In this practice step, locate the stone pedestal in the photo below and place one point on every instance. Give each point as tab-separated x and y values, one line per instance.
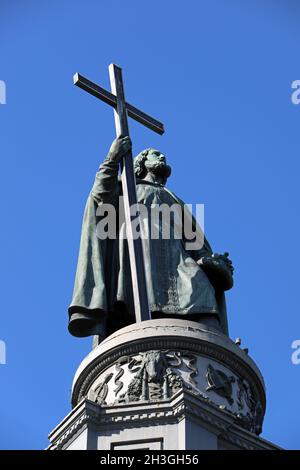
165	385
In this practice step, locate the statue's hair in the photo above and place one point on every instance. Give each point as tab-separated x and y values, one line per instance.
139	163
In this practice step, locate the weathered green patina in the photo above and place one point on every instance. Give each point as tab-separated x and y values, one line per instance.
180	282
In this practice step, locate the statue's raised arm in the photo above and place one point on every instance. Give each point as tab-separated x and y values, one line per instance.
105	188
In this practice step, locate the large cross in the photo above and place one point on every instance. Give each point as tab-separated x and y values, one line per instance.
116	99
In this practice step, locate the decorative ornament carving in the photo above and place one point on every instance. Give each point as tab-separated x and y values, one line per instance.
155	379
252	422
253	419
177	357
156	375
170	347
120	371
101	391
244	395
219	383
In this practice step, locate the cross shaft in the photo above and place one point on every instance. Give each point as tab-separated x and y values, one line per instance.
116	99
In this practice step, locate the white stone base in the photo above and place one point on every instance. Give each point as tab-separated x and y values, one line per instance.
183	423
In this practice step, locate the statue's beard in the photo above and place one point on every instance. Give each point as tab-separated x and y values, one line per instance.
159	169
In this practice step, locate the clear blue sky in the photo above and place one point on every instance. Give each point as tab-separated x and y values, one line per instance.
218	74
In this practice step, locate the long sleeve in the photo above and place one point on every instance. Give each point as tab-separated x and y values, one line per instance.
106	188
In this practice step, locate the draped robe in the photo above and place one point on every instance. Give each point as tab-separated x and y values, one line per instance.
176	284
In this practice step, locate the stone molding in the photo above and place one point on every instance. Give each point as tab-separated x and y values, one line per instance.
182	405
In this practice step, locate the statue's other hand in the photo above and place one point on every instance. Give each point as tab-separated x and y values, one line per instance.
219	270
225	259
119	147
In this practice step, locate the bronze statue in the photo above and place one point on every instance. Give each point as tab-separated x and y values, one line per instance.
181	283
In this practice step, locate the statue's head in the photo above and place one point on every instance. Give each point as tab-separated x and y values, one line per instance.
154	162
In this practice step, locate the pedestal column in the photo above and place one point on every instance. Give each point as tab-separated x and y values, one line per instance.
165	384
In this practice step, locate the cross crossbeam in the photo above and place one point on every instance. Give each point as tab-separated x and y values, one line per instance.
111	99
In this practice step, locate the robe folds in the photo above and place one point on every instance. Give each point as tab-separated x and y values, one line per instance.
176	284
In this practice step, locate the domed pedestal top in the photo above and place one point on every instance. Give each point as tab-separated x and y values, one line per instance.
153	360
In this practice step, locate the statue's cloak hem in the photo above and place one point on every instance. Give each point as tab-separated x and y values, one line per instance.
100	282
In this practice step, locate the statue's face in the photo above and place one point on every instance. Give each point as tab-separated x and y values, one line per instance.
156	163
155	158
